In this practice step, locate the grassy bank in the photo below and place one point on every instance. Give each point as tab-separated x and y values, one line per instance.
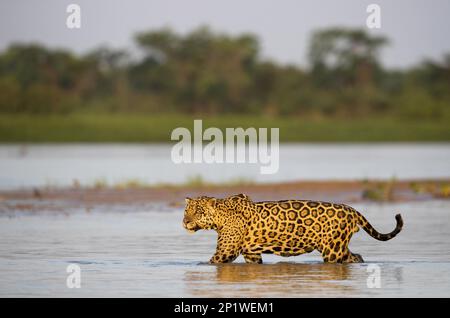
157	128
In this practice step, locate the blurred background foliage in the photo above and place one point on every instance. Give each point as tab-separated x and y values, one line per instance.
209	73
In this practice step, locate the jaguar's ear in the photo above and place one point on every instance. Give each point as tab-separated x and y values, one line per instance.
234	200
241	196
212	202
187	200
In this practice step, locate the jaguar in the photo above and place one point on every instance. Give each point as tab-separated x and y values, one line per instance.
284	228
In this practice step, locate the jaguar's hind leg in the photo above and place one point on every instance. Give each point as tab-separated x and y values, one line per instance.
353	258
335	250
329	255
253	258
341	256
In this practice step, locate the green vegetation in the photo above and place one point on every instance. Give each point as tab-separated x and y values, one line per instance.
379	191
436	189
345	94
385	190
157	128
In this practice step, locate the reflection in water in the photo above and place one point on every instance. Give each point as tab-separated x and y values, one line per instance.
281	279
398	274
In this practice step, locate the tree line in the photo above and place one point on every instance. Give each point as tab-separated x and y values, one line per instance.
207	72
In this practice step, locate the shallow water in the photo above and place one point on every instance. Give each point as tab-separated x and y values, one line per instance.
147	253
61	164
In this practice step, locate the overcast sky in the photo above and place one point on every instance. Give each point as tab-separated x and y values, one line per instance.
417	28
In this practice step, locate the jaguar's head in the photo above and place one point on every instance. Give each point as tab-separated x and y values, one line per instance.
199	214
206	213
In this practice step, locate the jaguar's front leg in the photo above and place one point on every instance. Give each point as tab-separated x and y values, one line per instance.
229	246
224	254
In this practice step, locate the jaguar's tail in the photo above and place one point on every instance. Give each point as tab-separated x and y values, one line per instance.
362	221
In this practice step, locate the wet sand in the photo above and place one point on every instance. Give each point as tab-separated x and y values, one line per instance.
60	199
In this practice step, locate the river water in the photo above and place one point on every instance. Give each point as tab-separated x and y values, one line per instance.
62	164
145	252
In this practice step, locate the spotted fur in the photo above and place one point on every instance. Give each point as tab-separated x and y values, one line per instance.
285	228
